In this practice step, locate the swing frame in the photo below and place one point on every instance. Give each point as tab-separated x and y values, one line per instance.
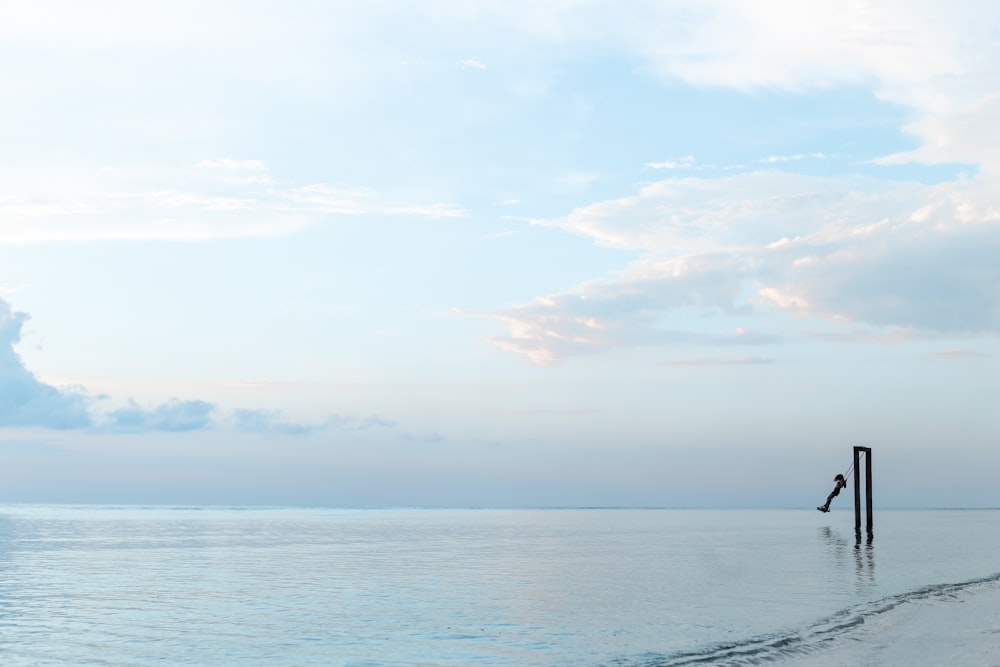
858	451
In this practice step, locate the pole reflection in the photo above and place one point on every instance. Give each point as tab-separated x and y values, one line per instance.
864	559
864	555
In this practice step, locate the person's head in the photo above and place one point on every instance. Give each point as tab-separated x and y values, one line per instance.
840	478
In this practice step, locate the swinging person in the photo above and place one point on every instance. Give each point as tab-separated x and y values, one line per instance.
840	483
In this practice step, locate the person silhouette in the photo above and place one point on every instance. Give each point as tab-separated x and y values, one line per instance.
841	483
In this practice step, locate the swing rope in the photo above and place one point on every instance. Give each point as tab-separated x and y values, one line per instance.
850	470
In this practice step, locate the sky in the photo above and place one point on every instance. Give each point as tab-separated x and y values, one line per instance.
506	254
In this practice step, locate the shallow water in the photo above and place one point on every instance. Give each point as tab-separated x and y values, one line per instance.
258	586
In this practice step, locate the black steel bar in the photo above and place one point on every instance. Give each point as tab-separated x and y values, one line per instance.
857	492
868	488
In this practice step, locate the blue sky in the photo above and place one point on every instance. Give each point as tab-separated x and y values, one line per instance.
451	253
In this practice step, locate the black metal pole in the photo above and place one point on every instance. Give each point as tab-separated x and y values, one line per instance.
857	492
868	488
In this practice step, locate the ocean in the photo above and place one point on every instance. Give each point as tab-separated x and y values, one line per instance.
124	585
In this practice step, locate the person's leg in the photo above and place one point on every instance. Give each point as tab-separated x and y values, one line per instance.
825	507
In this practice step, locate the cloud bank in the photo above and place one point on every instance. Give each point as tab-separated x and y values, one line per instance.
24	399
760	249
174	416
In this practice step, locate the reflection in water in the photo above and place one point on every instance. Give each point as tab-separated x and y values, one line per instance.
864	560
864	555
834	540
836	545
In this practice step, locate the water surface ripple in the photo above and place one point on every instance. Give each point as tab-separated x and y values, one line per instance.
275	586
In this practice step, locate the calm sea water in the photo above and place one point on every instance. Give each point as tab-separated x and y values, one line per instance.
629	588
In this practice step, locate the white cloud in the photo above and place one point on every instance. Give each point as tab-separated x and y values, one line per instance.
937	59
651	303
897	46
270	421
772	159
968	135
887	257
692	215
359	201
784	299
175	416
957	353
471	63
88	204
686	162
